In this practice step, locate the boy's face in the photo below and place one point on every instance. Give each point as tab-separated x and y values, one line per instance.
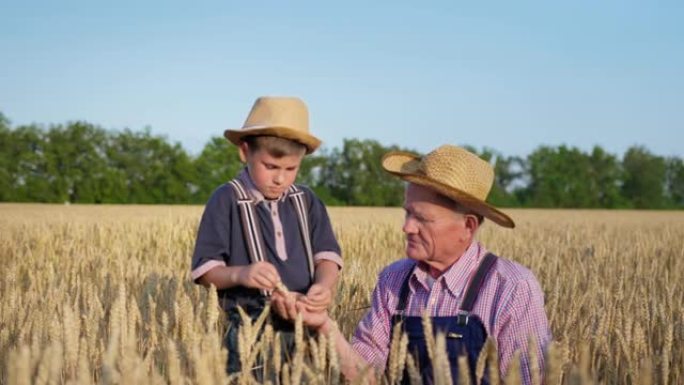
272	176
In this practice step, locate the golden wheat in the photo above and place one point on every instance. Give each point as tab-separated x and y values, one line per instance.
102	294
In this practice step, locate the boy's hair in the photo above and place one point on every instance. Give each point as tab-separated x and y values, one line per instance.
276	146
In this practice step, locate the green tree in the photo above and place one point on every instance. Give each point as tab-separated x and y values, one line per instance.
605	179
354	175
567	177
152	170
6	188
311	174
30	180
218	163
75	159
644	179
674	177
82	163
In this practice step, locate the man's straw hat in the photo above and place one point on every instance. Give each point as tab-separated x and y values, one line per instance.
284	117
453	172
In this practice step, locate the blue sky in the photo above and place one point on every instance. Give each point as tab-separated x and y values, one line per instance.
507	75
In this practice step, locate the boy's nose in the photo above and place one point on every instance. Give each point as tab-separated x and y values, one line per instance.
278	179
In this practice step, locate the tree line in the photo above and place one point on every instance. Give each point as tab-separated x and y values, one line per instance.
79	162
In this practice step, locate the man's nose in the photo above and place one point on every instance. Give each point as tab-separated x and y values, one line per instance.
409	226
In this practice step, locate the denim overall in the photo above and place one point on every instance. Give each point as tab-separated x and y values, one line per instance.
465	333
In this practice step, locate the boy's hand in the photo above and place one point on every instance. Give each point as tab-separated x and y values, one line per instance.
318	298
289	304
260	275
284	303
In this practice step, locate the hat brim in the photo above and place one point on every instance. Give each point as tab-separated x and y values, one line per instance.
407	167
309	141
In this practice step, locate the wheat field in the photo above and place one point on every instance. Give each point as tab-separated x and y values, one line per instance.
101	294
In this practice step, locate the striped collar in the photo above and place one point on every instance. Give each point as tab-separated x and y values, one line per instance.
252	190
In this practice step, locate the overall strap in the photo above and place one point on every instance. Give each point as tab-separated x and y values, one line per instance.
471	292
404	292
476	283
250	225
298	200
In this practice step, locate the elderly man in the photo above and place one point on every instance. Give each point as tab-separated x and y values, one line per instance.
469	293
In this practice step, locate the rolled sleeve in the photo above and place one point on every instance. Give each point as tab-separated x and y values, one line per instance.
328	256
371	339
204	268
212	243
323	241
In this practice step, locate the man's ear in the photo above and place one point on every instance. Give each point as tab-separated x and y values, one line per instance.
471	224
243	149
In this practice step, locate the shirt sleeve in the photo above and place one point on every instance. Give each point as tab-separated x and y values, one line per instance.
525	320
371	339
323	242
213	237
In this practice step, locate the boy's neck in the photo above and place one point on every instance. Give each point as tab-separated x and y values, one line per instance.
258	196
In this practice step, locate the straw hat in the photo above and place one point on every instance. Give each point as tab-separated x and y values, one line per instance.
284	117
453	172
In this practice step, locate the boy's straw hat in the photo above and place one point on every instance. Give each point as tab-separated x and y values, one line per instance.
453	172
284	117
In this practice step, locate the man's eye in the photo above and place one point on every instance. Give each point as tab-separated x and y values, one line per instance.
423	219
416	217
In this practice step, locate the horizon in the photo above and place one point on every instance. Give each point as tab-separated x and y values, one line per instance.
324	147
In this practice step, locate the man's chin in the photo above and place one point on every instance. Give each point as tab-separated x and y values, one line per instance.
415	256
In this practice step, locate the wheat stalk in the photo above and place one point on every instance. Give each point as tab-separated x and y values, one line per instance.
108	270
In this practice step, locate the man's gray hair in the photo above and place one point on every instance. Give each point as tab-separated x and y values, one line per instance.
464	210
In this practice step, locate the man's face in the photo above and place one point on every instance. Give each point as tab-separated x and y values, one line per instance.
272	176
435	233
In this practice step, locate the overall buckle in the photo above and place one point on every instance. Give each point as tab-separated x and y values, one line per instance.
462	318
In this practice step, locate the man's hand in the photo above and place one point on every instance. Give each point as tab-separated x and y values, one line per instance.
315	320
260	275
318	298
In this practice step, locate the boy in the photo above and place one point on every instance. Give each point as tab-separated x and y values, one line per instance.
260	231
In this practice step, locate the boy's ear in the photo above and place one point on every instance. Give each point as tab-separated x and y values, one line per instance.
243	149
